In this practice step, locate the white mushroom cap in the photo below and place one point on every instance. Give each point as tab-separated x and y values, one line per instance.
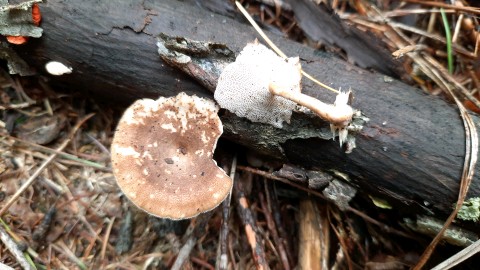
162	156
243	85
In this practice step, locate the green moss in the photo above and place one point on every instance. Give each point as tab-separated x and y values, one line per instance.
470	210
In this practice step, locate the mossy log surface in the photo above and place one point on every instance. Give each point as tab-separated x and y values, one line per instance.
410	153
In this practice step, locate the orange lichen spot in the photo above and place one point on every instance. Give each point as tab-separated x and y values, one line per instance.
17	40
36	16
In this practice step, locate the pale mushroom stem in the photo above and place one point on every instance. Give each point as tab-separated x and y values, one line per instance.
340	114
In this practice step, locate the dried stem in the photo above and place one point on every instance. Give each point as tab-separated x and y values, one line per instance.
222	258
339	115
250	227
273	230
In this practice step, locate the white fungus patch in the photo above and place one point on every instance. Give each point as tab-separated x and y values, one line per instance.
57	68
147	154
243	85
126	151
169	126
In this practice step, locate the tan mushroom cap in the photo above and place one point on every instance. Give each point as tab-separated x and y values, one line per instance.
162	156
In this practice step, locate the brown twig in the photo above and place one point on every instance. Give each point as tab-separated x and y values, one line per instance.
248	221
105	238
273	199
267	211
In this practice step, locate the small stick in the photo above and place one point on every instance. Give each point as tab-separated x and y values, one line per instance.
284	237
197	232
248	221
222	258
105	239
184	253
12	246
62	248
271	227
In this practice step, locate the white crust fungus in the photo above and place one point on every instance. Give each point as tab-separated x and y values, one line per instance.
162	156
243	86
57	68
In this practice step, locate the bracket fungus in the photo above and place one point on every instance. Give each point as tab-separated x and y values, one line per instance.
265	88
243	85
162	156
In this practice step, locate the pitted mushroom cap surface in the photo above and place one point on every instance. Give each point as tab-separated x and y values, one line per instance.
243	85
162	156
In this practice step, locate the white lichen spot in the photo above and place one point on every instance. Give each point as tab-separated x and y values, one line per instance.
219	175
216	195
175	159
145	171
168	172
147	154
169	126
151	196
155	144
132	195
205	139
126	151
139	162
210	189
170	114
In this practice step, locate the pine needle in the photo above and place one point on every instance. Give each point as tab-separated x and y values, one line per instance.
448	37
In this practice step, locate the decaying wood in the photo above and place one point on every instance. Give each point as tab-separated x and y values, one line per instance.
410	153
313	237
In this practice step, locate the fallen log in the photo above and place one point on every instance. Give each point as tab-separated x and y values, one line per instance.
410	153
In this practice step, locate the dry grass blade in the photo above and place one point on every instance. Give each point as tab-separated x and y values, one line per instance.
60	153
39	170
459	257
443	5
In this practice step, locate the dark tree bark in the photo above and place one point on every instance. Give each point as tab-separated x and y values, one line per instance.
411	152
